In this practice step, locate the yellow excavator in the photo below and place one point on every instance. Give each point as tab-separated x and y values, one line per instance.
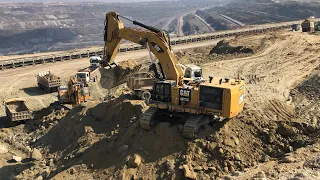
73	93
199	101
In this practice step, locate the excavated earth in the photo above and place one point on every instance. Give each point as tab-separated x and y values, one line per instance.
276	137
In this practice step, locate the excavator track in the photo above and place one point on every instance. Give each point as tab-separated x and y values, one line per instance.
193	124
146	121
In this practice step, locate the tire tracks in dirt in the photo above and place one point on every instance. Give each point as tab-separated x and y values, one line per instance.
271	73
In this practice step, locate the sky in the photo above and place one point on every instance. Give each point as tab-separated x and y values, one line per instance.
75	0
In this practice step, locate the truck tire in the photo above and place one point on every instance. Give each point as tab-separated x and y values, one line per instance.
145	95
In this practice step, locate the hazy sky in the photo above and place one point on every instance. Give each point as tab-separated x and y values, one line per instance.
76	0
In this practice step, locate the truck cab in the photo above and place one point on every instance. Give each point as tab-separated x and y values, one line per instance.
88	74
83	76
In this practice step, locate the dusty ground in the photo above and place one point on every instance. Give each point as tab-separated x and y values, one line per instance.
276	137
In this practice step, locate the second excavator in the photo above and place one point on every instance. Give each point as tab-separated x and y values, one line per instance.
73	93
174	92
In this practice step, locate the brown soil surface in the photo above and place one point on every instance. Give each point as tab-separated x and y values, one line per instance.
276	137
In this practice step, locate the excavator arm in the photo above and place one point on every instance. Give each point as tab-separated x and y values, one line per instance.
153	38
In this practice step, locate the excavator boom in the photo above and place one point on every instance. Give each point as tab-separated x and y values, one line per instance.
154	38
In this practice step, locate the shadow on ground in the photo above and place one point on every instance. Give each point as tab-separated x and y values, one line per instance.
7	172
33	91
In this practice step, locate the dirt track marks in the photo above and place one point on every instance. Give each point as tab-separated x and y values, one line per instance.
272	73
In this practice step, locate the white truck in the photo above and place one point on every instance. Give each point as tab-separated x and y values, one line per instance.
89	74
48	81
142	82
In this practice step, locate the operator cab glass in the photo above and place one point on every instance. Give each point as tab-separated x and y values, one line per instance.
187	73
198	73
81	75
94	61
63	88
193	73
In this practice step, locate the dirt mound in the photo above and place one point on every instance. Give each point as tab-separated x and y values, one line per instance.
307	100
224	47
119	74
110	130
239	47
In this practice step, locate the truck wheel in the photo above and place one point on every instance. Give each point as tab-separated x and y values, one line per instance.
145	95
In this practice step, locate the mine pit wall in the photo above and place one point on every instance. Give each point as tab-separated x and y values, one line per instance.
22	62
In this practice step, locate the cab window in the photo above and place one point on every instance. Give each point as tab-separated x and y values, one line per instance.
197	73
187	73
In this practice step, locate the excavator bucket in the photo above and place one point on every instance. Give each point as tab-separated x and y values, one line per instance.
112	77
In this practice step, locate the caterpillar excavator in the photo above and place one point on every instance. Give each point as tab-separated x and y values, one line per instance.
173	93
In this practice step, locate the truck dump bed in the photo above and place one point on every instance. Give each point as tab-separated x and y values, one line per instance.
17	110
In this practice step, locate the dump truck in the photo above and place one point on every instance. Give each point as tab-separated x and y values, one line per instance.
89	74
17	110
317	26
296	27
48	81
142	82
307	25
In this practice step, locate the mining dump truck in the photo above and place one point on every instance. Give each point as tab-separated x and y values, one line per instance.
307	25
48	81
17	110
142	83
317	26
295	27
89	74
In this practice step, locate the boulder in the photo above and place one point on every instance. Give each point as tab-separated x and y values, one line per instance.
3	149
135	161
17	158
188	173
36	154
170	164
211	147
